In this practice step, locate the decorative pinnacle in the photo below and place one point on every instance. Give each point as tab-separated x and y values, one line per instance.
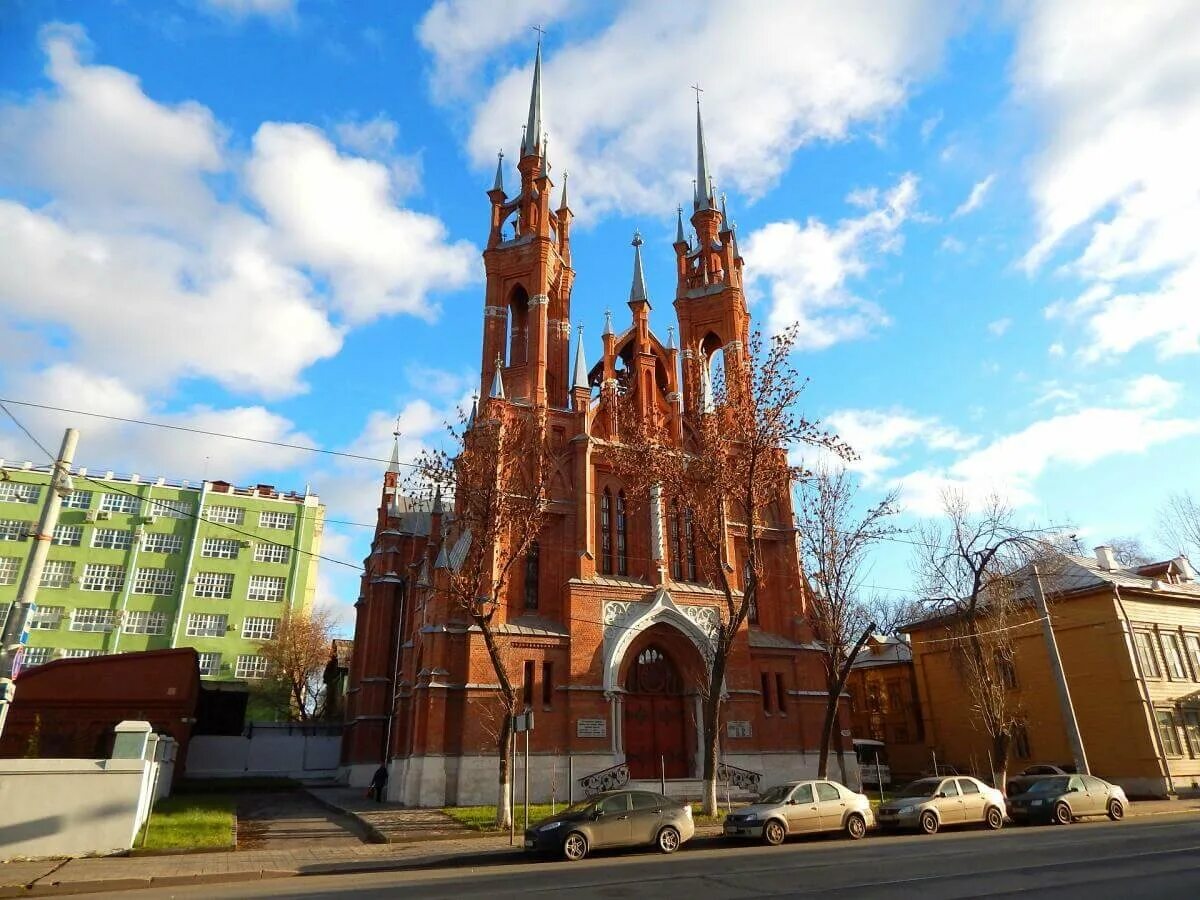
703	179
581	377
497	391
679	237
608	328
498	185
533	127
670	337
563	204
637	291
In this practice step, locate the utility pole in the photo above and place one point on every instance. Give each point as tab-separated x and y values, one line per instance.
1074	738
13	637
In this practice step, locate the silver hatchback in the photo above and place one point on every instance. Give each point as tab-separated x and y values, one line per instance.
802	807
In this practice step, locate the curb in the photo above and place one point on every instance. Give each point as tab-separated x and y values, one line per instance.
373	834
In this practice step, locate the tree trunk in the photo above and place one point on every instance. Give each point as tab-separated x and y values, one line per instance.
831	702
712	720
504	798
1000	746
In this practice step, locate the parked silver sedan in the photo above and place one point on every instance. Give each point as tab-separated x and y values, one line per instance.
802	807
929	804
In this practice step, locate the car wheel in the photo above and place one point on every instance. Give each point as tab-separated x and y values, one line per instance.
929	822
1116	811
1062	814
856	827
575	847
774	832
668	840
994	818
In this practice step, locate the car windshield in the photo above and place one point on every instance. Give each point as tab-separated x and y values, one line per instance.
578	807
776	794
925	787
1049	786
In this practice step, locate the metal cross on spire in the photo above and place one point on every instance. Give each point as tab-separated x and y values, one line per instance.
540	30
699	90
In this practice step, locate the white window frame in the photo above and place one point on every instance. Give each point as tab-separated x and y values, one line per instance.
155	582
35	656
57	573
271	552
67	536
120	503
112	539
162	542
47	618
210	664
251	666
209	625
102	578
220	548
225	515
144	622
77	499
20	492
14	529
80	653
10	568
171	509
264	588
273	518
214	585
93	619
259	628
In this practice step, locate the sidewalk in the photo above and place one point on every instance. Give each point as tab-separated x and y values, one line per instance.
81	876
391	823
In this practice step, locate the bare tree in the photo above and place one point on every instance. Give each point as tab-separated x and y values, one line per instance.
296	658
1130	552
834	543
1179	525
499	477
890	614
965	565
731	468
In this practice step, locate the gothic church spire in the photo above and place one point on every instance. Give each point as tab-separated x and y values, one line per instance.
533	142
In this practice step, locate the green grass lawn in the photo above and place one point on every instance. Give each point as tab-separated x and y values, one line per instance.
190	822
483	818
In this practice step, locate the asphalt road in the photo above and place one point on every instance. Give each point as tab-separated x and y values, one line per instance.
1158	858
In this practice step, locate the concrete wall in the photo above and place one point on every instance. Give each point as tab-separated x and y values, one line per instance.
71	807
268	752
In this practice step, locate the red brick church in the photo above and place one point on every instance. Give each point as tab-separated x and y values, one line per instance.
607	624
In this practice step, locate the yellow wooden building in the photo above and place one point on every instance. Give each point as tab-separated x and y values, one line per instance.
1129	640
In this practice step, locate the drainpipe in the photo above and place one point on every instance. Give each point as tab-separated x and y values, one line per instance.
187	569
139	534
1131	645
387	744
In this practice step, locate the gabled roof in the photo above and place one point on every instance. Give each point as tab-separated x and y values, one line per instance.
883	650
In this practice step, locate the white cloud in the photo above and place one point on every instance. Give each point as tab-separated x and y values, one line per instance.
240	9
951	244
999	327
1153	391
976	198
930	124
380	258
373	137
1116	187
803	270
804	72
151	277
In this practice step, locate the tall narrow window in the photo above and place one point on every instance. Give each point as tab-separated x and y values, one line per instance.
531	576
606	532
689	540
547	683
622	520
780	693
752	612
675	538
765	680
527	688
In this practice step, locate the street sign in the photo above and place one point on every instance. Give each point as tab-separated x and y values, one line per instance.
523	721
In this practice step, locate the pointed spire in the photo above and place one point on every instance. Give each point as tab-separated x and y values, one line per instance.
533	127
703	198
679	236
394	463
563	203
581	374
671	337
438	509
608	329
474	411
637	292
497	391
545	153
498	184
724	214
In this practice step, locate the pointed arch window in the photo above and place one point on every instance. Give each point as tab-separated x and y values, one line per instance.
622	541
683	547
606	541
752	612
531	575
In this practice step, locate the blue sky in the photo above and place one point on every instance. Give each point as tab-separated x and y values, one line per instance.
264	217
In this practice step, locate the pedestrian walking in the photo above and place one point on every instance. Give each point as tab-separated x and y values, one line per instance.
379	783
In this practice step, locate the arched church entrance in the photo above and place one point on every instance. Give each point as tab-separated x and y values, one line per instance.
659	712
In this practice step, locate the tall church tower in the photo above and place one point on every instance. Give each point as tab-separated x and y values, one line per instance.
527	302
709	300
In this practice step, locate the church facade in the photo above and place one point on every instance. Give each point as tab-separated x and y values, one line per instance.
607	622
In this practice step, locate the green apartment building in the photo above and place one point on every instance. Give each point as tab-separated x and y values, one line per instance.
147	565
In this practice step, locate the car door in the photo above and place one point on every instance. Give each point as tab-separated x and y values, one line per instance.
973	800
611	825
1096	794
803	813
949	802
832	806
645	816
1076	796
